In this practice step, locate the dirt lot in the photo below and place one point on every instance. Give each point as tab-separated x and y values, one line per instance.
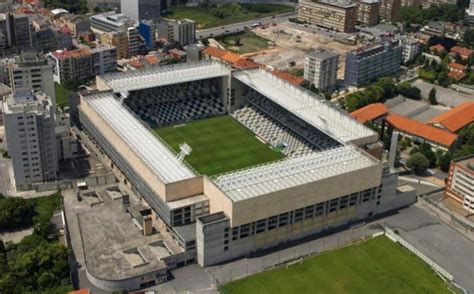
288	48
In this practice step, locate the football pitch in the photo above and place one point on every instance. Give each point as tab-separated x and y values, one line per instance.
375	266
220	144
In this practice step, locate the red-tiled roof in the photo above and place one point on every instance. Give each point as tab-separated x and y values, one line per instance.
457	66
62	54
438	47
456	118
369	112
421	130
80	291
464	52
245	64
295	80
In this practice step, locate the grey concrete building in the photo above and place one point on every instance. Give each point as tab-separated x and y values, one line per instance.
182	31
320	68
29	126
141	9
369	63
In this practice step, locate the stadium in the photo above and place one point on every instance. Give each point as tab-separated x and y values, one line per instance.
235	161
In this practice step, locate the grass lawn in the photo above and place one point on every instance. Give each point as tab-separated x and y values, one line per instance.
249	42
376	266
62	95
220	144
426	74
46	206
208	17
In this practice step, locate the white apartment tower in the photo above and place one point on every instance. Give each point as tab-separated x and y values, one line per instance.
141	9
29	126
32	71
470	13
320	68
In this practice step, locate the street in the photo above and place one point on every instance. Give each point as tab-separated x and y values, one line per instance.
239	27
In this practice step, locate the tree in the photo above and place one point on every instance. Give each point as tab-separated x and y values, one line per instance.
418	163
388	86
15	213
444	161
238	41
432	96
468	38
444	80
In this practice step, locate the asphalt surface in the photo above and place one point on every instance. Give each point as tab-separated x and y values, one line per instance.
445	96
239	27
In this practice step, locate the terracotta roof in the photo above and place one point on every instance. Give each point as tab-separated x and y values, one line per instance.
63	54
214	52
416	128
438	47
457	118
231	57
369	112
457	66
245	64
464	52
295	80
80	291
456	75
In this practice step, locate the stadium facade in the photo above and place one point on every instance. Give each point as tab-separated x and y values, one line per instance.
327	179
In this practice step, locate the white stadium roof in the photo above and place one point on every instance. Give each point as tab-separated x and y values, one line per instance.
148	147
305	105
164	75
288	173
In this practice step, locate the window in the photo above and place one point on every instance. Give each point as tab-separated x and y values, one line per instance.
272	222
283	221
299	215
261	224
309	212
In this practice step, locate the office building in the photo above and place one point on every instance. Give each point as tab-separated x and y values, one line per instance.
460	183
32	71
83	63
147	30
368	12
371	62
390	10
141	9
119	40
29	127
470	12
212	220
411	49
110	22
320	68
103	5
334	15
182	31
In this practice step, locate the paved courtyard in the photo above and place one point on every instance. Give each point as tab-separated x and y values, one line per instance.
446	96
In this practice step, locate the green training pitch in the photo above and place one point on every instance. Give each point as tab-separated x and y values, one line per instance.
220	144
375	266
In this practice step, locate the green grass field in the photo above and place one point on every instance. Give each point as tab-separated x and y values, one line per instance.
208	17
376	266
248	42
62	95
220	144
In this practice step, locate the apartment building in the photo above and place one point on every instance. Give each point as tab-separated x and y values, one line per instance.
182	31
411	3
460	183
390	10
16	32
334	15
428	3
29	127
411	48
470	13
32	71
320	68
372	62
119	40
368	12
141	9
83	63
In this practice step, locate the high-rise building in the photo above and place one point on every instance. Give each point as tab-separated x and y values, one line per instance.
368	12
29	127
147	30
460	182
182	31
470	13
320	68
411	48
372	62
32	71
141	9
390	10
335	15
21	32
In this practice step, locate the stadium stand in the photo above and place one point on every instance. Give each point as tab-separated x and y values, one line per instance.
161	106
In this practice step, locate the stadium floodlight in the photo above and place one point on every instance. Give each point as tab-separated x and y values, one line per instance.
185	150
123	95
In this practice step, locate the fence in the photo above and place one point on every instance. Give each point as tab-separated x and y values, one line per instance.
291	255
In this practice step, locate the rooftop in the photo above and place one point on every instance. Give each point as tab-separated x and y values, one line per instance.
322	54
152	151
309	107
292	172
467	162
456	118
164	75
369	112
462	51
421	130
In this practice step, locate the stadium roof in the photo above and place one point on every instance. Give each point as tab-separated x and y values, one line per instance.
292	172
152	151
456	118
369	112
421	130
164	75
306	105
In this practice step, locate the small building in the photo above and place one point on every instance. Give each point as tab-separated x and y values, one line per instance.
460	182
457	71
455	119
422	133
320	68
371	112
437	49
465	53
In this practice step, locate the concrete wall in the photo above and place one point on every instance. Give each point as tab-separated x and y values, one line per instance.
183	189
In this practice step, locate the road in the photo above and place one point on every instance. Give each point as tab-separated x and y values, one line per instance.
445	96
239	27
